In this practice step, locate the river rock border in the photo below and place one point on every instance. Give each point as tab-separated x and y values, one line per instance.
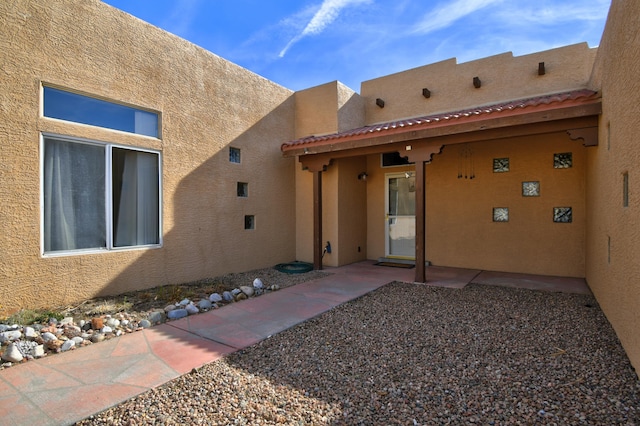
22	343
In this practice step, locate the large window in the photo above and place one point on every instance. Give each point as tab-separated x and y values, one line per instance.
99	196
77	108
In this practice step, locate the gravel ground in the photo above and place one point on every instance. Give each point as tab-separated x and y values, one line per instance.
411	354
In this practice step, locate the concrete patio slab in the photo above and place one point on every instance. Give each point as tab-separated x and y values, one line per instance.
533	282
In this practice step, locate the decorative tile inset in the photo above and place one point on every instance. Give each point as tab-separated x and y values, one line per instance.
563	160
530	189
562	214
500	165
501	214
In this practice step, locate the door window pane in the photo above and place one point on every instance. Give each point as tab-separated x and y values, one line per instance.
401	229
402	196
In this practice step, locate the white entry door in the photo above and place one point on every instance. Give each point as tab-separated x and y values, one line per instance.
400	225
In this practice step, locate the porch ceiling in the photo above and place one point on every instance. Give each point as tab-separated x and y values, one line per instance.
575	112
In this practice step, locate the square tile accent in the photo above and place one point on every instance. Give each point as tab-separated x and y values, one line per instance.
531	189
501	214
563	160
500	165
562	214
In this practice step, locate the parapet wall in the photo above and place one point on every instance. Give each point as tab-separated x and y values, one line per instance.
451	85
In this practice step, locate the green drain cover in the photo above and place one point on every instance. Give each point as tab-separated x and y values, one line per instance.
294	267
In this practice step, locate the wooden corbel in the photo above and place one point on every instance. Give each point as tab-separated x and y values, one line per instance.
421	152
315	163
589	135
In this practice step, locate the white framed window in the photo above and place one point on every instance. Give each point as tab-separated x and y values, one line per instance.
98	196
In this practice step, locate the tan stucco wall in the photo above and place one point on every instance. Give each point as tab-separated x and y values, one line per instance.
206	104
328	108
460	231
344	204
352	208
316	110
503	77
304	214
324	109
613	232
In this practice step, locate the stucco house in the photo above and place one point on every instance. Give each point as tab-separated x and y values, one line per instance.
132	158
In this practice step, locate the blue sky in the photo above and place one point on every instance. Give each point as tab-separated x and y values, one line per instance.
304	43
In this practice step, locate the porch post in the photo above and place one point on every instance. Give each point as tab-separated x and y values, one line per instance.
420	223
316	164
317	220
421	154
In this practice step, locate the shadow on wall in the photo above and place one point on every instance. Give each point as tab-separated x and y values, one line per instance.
204	215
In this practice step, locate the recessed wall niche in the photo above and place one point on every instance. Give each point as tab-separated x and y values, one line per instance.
243	189
249	222
234	155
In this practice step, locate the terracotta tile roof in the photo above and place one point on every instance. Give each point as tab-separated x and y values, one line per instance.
514	107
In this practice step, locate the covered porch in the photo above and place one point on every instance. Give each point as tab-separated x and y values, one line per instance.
529	125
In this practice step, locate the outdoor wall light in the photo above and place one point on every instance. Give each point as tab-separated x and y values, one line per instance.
363	176
476	82
380	102
426	93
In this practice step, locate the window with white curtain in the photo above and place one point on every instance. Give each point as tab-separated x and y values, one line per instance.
99	196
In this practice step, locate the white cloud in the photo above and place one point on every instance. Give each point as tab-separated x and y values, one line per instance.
448	13
328	12
181	17
553	13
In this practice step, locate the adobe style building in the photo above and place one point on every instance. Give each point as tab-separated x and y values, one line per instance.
132	158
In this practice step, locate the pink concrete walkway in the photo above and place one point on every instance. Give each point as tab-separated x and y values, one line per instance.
69	387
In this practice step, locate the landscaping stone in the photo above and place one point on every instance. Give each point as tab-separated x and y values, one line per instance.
157	317
249	291
11	335
12	353
177	313
205	305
